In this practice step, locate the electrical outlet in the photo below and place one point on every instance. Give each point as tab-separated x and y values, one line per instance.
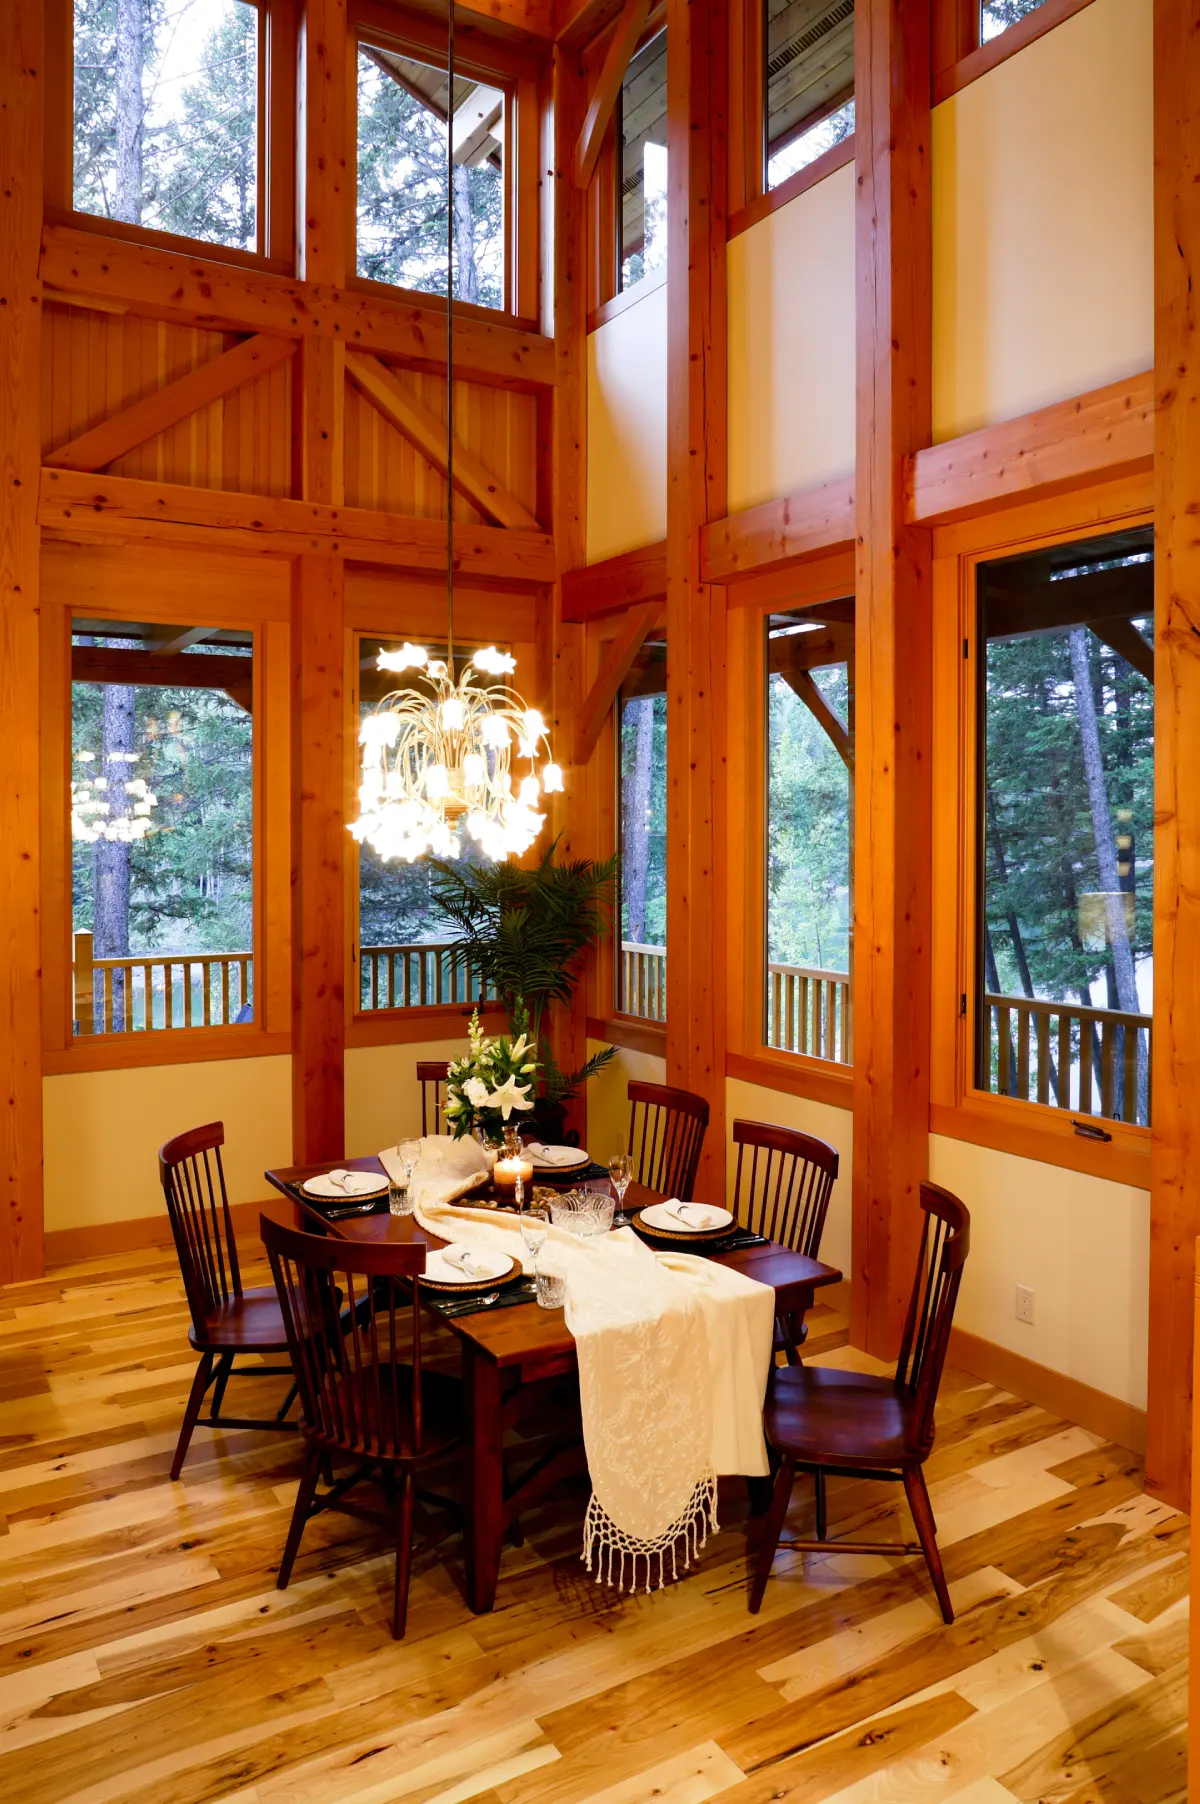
1024	1304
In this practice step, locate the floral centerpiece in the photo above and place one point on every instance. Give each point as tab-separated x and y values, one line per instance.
495	1079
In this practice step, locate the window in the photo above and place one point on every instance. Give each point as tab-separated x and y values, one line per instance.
642	786
402	936
809	869
162	827
167	117
997	16
1064	962
808	82
641	165
402	124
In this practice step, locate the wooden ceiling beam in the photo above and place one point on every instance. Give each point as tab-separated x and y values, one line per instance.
607	91
809	523
615	583
424	430
157	413
801	684
622	654
126	664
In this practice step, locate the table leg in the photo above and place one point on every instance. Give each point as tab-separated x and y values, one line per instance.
485	1527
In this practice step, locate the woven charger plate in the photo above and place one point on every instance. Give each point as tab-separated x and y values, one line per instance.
685	1236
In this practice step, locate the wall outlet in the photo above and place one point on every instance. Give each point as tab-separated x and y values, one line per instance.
1024	1304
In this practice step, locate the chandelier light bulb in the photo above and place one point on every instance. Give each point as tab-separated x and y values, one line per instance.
493	662
552	779
530	792
409	657
453	714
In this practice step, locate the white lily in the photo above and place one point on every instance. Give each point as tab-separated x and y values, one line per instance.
508	1096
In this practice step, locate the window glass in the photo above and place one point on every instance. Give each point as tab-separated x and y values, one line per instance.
808	82
1066	812
642	772
162	827
642	163
996	16
402	936
810	809
166	116
402	113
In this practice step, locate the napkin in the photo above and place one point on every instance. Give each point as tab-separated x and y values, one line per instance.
354	1183
553	1155
461	1259
692	1215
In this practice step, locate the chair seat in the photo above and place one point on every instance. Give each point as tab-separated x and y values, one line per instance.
252	1322
826	1417
387	1432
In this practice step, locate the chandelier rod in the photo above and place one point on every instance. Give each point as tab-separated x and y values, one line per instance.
450	343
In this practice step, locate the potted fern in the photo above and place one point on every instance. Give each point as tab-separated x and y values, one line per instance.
524	931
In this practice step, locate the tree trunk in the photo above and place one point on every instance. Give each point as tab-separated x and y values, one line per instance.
635	816
466	275
111	857
131	60
1014	926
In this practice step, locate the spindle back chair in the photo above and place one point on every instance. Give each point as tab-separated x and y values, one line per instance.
666	1135
432	1074
227	1320
782	1188
353	1318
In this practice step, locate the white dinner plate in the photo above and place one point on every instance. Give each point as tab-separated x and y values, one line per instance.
354	1186
486	1267
579	1156
694	1218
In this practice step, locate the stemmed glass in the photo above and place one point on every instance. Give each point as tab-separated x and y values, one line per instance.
620	1172
535	1225
400	1202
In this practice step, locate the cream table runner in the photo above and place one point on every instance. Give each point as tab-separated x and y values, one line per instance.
674	1353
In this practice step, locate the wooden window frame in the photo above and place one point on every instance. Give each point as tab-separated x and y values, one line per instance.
277	113
270	1032
958	56
384	28
750	600
958	1109
605	297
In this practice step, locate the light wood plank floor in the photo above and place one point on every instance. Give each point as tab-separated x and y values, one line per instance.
146	1656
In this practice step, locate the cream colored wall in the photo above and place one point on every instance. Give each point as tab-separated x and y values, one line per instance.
627	429
751	1102
383	1098
607	1103
1082	1244
102	1131
791	345
1042	176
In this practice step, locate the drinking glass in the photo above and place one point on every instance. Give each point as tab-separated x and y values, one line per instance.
535	1224
620	1171
400	1201
551	1289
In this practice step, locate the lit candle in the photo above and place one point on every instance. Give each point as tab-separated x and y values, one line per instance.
505	1172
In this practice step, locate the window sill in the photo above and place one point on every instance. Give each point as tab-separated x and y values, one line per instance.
169	241
166	1046
836	157
817	1080
433	303
629	297
630	1031
1030	1131
989	56
407	1026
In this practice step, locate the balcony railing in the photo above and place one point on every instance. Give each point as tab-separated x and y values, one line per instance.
1092	1061
160	990
808	1011
643	987
414	976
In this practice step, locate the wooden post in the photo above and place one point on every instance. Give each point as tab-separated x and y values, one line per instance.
320	843
1175	1175
892	831
696	493
21	126
85	985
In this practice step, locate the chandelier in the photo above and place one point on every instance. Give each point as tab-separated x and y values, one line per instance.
92	816
440	756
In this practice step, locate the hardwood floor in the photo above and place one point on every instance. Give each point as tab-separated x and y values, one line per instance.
147	1658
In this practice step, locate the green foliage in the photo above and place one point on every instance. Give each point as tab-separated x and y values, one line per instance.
808	829
644	865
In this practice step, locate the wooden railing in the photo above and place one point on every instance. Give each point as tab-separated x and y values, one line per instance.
162	990
809	1011
643	988
1092	1061
414	976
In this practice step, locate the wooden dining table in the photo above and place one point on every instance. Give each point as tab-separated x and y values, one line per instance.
505	1351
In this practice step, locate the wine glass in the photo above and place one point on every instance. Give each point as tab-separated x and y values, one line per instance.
535	1225
620	1172
409	1153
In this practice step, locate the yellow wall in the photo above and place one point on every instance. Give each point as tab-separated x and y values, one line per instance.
103	1129
1042	178
607	1103
791	345
627	429
750	1102
383	1099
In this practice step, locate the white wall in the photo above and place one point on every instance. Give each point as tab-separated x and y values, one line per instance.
751	1102
1042	176
627	429
791	345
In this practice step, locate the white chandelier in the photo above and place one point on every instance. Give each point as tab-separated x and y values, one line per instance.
441	758
92	816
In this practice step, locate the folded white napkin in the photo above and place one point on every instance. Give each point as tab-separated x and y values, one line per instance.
354	1183
691	1215
553	1155
462	1259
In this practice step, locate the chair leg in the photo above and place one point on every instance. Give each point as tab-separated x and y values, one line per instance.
819	1497
404	1540
304	1497
281	1412
200	1384
224	1371
922	1514
772	1529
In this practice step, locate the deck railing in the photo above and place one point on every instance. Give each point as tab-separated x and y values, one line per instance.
1092	1061
414	976
160	990
808	1011
643	989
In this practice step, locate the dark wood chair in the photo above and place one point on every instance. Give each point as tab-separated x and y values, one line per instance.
364	1391
226	1320
431	1073
666	1133
782	1190
821	1420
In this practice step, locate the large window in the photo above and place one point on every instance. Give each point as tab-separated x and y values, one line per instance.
808	82
403	114
642	783
810	803
167	116
162	827
641	137
1065	827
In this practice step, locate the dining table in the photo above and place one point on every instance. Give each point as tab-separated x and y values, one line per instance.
506	1351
